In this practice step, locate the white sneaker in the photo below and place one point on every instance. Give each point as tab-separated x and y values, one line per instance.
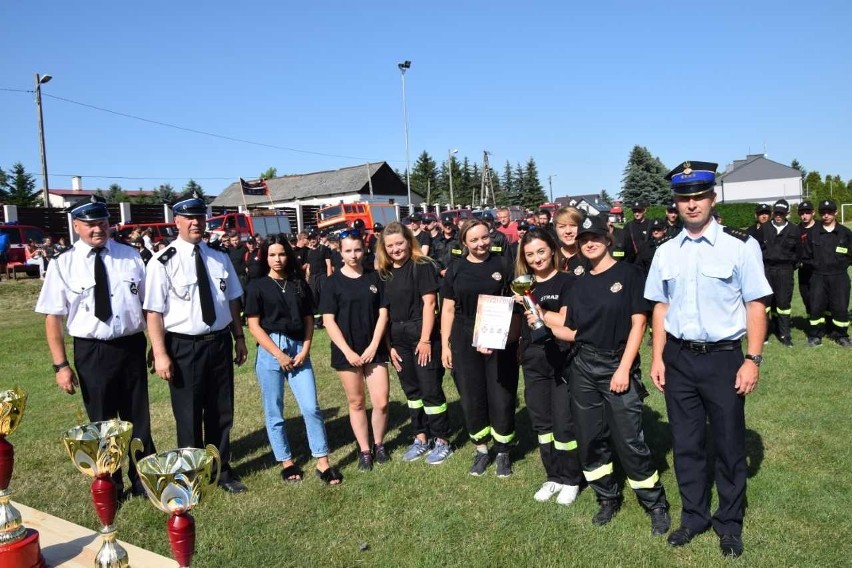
568	494
548	490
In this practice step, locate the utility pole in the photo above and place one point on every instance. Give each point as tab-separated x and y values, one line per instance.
487	186
39	81
550	184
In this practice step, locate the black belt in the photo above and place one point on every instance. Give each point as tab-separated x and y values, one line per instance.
213	335
114	341
592	350
705	346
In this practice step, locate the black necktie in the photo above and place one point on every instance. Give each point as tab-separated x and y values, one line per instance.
208	311
103	307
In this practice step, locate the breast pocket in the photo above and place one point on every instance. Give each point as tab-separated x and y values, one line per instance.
669	276
219	281
126	283
719	278
182	284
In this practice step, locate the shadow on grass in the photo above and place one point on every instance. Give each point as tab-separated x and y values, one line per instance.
658	436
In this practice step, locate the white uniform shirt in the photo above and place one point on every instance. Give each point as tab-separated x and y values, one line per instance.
172	287
69	290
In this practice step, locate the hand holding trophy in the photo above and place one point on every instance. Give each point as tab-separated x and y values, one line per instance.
175	482
523	286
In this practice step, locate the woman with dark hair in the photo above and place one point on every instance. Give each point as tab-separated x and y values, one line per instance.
279	310
607	314
543	361
355	315
487	381
411	290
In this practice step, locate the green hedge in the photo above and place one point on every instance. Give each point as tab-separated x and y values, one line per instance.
739	215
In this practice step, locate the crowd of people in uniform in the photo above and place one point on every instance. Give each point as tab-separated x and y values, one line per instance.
406	295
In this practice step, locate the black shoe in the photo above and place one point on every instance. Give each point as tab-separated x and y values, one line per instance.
814	341
786	342
504	465
365	461
731	545
381	453
681	537
844	342
233	485
608	509
661	522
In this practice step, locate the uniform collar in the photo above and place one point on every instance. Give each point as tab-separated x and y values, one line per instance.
86	249
185	246
710	233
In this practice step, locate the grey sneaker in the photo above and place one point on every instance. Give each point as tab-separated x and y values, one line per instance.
504	465
844	342
416	450
480	462
439	453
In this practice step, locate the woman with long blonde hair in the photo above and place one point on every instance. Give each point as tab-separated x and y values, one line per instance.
411	290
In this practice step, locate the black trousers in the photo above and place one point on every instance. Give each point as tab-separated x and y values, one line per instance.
114	384
805	274
549	405
315	283
829	292
487	385
607	421
427	404
781	280
202	393
701	386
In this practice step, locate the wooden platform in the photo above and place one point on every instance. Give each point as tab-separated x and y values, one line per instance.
72	546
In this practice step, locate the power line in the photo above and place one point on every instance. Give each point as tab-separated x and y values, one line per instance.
90	176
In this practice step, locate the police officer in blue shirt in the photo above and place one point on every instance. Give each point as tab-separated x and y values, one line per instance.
709	287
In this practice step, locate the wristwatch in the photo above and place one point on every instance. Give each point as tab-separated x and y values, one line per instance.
756	359
62	365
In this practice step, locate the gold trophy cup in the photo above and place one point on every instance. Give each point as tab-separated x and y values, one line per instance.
97	450
175	482
18	545
523	286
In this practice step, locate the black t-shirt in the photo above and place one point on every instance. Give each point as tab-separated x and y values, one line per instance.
355	304
281	305
301	255
576	265
238	258
466	280
600	305
551	295
405	287
315	259
424	238
336	260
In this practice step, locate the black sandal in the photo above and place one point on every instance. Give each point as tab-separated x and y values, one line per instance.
290	472
330	475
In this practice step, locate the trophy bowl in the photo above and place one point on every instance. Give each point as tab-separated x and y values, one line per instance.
523	286
13	402
175	482
97	449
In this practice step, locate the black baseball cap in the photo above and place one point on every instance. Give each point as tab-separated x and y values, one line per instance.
593	225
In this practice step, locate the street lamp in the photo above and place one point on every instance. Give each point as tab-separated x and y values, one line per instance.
39	81
450	168
550	184
403	67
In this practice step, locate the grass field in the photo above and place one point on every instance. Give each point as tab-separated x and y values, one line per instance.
799	495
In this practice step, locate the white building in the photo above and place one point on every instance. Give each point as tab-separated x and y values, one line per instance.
757	179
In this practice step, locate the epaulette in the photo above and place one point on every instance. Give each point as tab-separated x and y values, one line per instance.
57	254
167	255
665	239
736	233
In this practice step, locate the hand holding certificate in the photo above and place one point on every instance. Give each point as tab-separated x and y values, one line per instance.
493	320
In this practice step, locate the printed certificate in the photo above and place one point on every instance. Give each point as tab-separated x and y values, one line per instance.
493	319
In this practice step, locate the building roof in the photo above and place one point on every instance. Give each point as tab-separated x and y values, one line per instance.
593	199
756	167
318	185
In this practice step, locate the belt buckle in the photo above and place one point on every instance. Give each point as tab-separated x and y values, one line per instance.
698	346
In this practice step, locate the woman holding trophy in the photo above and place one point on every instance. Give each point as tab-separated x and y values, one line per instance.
355	313
279	309
411	289
543	359
607	315
487	381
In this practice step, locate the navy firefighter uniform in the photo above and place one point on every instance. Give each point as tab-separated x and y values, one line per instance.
706	281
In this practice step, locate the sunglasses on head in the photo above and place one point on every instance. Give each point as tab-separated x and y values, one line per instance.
356	233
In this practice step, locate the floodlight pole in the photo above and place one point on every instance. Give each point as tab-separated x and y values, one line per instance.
39	81
450	168
403	67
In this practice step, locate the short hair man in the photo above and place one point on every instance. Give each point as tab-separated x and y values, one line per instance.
782	251
506	226
709	286
193	309
98	286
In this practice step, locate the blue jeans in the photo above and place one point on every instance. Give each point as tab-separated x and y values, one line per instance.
271	378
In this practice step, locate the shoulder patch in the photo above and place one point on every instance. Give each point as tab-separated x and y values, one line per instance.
736	233
60	253
167	255
665	239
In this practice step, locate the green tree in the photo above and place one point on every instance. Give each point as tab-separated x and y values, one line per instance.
165	193
532	192
605	197
269	173
4	186
814	187
21	187
115	194
510	186
193	186
424	176
645	178
797	166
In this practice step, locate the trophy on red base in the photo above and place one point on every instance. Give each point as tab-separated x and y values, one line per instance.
97	450
175	482
19	546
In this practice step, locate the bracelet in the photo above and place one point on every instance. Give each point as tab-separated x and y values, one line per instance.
62	365
426	342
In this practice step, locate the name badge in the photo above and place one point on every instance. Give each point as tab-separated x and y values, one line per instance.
841	250
617	253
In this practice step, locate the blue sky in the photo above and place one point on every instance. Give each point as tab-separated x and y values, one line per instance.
575	85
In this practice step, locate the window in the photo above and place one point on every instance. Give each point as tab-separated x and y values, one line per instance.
35	234
14	235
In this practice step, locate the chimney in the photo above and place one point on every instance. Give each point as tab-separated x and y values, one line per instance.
76	183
